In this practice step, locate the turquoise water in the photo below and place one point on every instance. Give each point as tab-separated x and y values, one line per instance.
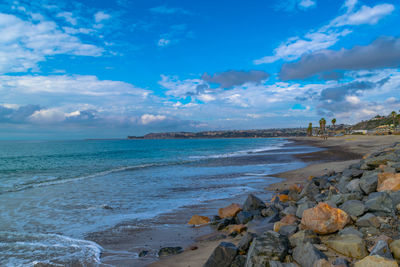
54	193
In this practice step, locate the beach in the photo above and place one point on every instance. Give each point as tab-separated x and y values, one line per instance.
338	153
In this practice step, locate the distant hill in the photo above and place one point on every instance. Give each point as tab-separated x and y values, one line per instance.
373	123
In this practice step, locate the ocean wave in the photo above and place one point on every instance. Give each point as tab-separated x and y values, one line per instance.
27	249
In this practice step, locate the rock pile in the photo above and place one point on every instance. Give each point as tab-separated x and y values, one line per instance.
348	218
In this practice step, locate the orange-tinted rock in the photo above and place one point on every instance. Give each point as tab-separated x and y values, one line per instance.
287	220
197	220
295	188
281	197
238	228
388	181
324	219
229	211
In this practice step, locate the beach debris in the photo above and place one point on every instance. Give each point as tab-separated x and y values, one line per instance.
198	220
229	211
323	219
168	251
222	256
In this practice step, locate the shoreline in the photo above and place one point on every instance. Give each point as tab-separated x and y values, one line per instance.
337	154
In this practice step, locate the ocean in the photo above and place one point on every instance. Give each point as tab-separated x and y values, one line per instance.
54	194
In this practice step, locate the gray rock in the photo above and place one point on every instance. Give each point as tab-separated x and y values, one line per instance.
225	222
222	256
287	230
269	211
368	220
267	247
354	186
244	217
379	202
369	182
341	262
395	196
350	231
245	242
304	236
291	210
353	207
310	190
302	207
381	248
253	203
396	167
167	251
260	226
307	255
239	261
281	264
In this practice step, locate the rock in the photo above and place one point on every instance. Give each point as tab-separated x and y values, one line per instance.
379	202
198	220
211	237
281	264
253	203
269	211
340	262
349	245
323	219
322	263
395	196
229	211
353	207
307	255
239	261
287	230
395	248
222	256
260	226
287	220
369	182
368	220
167	251
354	186
375	261
388	182
267	247
224	223
281	198
236	228
215	219
302	237
107	207
143	253
381	248
310	190
244	243
289	210
302	207
244	217
351	231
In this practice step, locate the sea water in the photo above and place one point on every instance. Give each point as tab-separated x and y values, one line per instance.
53	193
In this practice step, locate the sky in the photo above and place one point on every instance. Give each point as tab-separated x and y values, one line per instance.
108	69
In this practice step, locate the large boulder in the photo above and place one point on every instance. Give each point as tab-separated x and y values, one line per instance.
267	247
244	217
198	220
379	202
222	256
388	182
230	211
323	219
307	255
369	182
353	207
375	261
349	245
245	242
253	203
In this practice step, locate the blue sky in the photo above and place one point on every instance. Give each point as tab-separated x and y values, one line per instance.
80	69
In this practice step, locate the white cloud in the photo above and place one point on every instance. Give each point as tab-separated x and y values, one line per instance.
101	16
46	116
178	88
163	42
69	17
23	44
329	34
149	118
307	3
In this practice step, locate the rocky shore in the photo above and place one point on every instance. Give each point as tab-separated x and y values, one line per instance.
346	218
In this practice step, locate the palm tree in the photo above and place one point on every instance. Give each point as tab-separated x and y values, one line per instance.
322	123
333	122
309	130
394	114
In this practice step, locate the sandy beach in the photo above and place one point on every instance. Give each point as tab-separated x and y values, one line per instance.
338	153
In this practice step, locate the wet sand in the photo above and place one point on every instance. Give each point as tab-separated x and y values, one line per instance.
338	153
